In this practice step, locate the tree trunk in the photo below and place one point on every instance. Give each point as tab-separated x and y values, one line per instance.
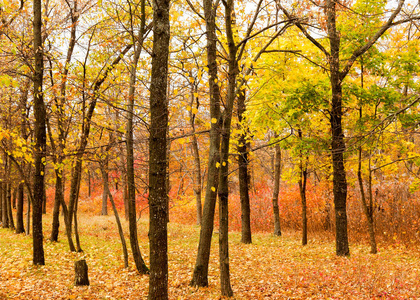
120	229
9	205
243	163
104	171
28	217
337	142
131	185
158	145
58	198
20	228
76	225
223	194
276	190
81	273
303	170
14	198
200	275
196	155
4	214
44	201
40	138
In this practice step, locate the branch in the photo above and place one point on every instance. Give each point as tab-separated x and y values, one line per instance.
303	30
372	41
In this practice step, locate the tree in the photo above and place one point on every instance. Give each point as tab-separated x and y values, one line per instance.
40	137
158	143
338	68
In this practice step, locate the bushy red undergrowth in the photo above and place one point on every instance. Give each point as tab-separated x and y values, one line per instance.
397	211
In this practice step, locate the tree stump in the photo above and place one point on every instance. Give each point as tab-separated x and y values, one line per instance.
81	273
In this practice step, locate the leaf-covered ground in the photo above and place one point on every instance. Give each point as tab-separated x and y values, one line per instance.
270	268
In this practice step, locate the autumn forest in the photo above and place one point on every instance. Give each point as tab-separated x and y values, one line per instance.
254	149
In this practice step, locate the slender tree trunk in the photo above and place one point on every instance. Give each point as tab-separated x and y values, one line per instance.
76	226
337	143
104	171
14	198
223	194
9	204
200	275
40	138
125	196
276	190
131	185
244	176
58	198
158	144
4	214
120	229
20	228
89	184
28	217
196	155
44	201
303	169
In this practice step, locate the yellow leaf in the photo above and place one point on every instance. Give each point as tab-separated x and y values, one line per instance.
194	110
213	188
217	165
214	120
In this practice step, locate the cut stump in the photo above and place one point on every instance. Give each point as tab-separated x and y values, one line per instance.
81	273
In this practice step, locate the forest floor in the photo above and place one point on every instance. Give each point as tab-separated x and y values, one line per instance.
270	268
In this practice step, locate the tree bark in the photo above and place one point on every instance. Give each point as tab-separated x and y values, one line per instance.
58	197
337	142
200	275
104	171
120	229
158	144
243	163
9	204
196	155
81	273
4	214
303	170
131	185
40	138
19	209
276	190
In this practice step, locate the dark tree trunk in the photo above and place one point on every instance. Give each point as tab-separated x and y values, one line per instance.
200	275
303	170
120	230
196	155
276	190
40	138
44	201
158	144
59	197
19	209
28	217
131	185
4	215
125	196
104	171
14	198
337	142
9	205
89	184
81	273
223	194
244	175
